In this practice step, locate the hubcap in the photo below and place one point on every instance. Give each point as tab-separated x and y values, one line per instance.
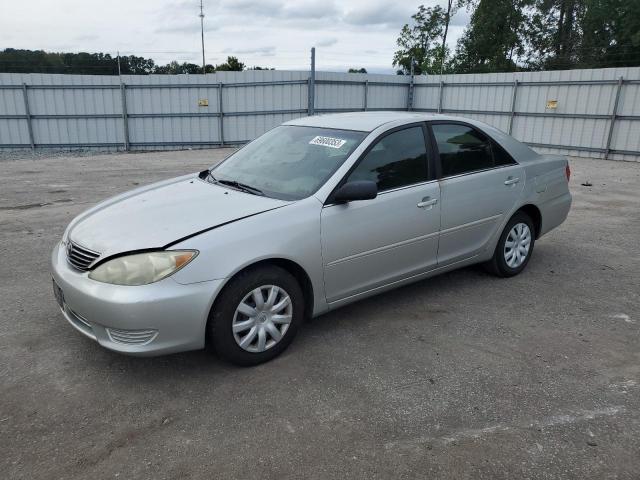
262	318
517	245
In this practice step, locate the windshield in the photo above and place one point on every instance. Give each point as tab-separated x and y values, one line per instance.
288	162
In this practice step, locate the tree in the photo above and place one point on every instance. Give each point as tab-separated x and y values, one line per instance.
232	65
511	35
39	61
357	70
494	39
133	65
554	33
584	34
610	34
27	61
175	68
419	52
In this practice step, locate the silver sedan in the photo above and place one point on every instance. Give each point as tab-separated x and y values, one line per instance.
316	213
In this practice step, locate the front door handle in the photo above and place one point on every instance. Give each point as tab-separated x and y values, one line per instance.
427	203
511	181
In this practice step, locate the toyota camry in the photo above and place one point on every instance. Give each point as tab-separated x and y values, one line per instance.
314	214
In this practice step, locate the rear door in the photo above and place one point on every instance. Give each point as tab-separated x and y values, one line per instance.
479	184
370	243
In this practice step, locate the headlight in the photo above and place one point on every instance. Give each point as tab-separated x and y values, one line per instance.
142	268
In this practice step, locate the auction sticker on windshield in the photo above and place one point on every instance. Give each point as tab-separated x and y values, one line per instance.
327	142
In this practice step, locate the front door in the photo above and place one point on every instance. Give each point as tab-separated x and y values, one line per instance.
370	243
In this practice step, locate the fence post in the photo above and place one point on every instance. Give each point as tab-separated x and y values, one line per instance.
410	95
27	112
311	90
440	96
366	94
221	117
125	119
613	117
513	105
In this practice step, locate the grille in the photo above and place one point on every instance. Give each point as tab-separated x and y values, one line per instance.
80	257
132	337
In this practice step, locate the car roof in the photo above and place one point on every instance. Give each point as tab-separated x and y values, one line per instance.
369	121
361	121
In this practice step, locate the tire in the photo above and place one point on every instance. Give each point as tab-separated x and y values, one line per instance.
236	308
503	263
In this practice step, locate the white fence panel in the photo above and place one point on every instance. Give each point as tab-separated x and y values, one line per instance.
590	112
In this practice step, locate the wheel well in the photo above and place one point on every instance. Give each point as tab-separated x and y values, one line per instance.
535	215
298	273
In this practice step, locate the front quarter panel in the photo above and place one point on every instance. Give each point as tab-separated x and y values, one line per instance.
291	232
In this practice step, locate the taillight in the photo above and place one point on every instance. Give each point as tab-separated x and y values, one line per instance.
567	172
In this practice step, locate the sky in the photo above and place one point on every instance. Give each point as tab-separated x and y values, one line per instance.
267	33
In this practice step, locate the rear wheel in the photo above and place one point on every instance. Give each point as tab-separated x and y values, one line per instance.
514	247
256	316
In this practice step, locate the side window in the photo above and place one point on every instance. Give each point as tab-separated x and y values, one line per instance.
500	156
462	149
398	159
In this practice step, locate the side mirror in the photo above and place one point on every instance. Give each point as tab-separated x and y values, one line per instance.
357	190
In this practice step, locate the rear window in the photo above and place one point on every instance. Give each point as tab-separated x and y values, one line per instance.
463	149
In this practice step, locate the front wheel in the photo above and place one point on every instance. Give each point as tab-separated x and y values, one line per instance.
256	316
514	248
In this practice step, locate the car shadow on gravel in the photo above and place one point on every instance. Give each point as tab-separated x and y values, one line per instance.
428	300
350	317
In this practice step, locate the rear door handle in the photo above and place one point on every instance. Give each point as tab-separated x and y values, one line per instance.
511	181
427	203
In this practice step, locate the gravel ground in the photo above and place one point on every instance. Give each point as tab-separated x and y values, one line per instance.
50	153
461	376
42	154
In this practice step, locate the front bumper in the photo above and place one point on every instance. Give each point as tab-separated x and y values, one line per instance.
159	318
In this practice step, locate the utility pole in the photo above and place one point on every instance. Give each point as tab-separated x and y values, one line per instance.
312	84
202	36
119	64
446	30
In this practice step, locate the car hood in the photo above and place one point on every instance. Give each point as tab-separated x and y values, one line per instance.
160	214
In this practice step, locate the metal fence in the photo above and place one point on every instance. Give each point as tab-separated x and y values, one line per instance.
580	112
577	112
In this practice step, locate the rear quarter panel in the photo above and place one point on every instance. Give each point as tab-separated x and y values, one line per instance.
548	189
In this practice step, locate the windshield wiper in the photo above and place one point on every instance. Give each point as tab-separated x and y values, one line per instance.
233	183
210	175
240	186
